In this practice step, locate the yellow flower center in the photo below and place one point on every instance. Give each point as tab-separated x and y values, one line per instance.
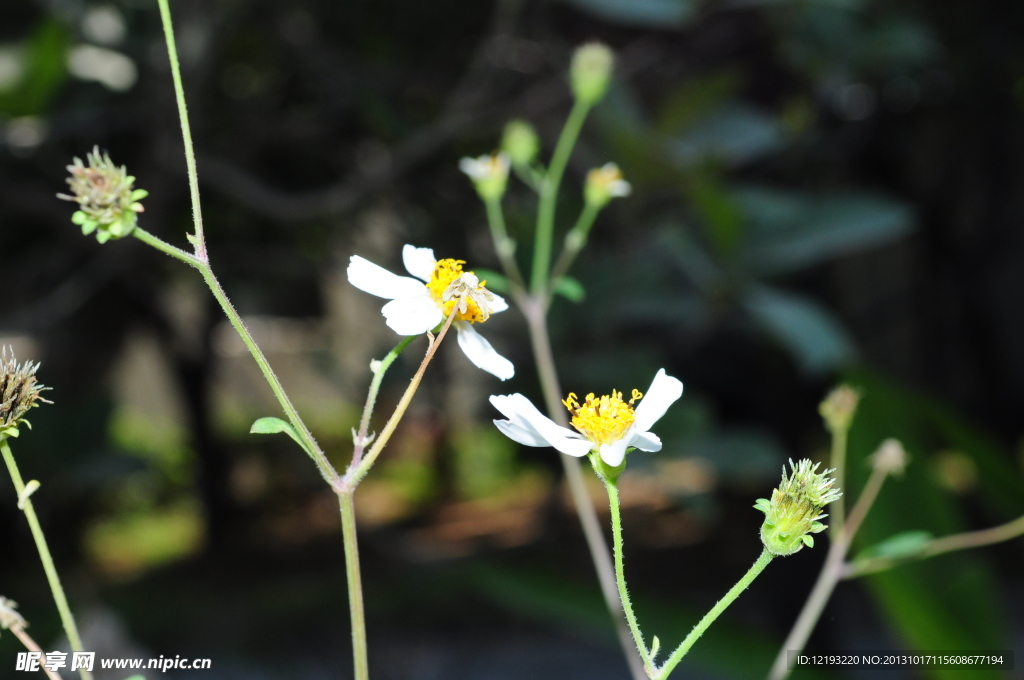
446	271
602	420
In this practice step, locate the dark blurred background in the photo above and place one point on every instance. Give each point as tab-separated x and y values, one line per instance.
824	190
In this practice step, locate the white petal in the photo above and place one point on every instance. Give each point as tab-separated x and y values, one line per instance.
412	315
498	304
419	262
480	352
645	441
520	435
376	280
476	168
662	393
614	453
524	415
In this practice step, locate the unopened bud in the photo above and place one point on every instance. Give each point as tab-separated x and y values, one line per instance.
107	203
520	142
839	408
604	184
19	392
489	174
792	515
591	71
890	457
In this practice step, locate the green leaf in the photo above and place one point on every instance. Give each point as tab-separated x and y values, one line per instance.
271	425
808	540
571	289
494	281
905	544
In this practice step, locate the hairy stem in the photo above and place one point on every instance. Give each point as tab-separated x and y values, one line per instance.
620	577
66	617
715	612
549	197
355	585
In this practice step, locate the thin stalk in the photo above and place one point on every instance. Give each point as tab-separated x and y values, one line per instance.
167	248
715	612
503	245
199	240
837	510
32	646
830	575
371	398
620	578
535	314
355	585
66	617
549	197
938	546
356	474
574	241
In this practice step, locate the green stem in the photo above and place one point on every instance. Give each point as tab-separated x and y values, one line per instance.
838	461
574	241
620	577
371	397
503	245
66	617
167	248
355	585
199	240
715	612
549	197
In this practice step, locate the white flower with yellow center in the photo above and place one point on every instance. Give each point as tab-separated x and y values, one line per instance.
421	304
607	425
604	184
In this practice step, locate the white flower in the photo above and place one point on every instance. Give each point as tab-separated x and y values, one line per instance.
421	304
607	424
604	184
489	174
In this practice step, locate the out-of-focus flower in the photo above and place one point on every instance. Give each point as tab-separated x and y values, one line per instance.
520	142
890	457
421	304
9	616
839	408
19	392
792	515
607	425
489	174
590	72
107	203
604	184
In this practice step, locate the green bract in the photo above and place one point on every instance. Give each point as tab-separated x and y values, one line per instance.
107	203
792	515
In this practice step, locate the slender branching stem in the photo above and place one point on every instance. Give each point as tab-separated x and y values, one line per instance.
620	578
503	245
66	617
371	398
32	646
167	248
715	612
830	575
549	197
198	240
355	474
357	614
574	241
837	510
938	546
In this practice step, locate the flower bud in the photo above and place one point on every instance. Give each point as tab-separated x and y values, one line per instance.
520	142
839	408
489	174
604	184
107	203
590	72
890	457
19	392
792	515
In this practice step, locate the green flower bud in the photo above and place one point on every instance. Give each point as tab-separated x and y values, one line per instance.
792	515
604	184
590	72
839	408
19	392
520	142
107	203
489	174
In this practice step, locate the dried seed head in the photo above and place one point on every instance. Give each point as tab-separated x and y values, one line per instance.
792	515
890	457
19	392
466	288
839	407
107	203
9	617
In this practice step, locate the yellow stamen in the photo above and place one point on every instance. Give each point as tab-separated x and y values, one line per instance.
602	420
446	271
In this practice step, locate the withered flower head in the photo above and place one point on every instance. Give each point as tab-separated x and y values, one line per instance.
107	203
19	392
9	616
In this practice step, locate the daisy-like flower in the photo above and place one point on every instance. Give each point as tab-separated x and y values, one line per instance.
421	304
606	425
488	173
604	184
